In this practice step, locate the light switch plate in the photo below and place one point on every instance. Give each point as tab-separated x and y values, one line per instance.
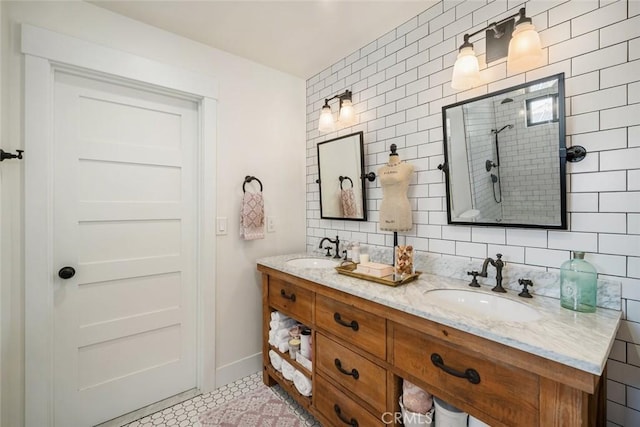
271	224
221	226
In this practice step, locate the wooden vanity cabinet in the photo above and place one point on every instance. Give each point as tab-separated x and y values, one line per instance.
356	373
351	353
352	325
501	390
335	408
362	350
295	301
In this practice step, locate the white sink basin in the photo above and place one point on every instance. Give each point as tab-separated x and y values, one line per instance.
480	304
312	263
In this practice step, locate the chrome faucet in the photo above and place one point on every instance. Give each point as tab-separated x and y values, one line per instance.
328	248
498	264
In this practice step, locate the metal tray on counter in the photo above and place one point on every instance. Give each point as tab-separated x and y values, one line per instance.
348	269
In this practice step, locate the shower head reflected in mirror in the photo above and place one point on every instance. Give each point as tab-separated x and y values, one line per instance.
506	100
501	129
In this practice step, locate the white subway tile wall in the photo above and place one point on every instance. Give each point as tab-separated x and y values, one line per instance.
400	83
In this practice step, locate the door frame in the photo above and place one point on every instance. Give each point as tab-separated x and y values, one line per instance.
46	52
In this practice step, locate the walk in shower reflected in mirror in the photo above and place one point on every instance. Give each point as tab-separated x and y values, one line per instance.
505	157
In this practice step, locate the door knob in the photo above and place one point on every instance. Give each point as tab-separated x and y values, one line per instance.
66	272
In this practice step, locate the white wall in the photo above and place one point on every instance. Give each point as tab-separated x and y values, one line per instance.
400	83
2	54
260	132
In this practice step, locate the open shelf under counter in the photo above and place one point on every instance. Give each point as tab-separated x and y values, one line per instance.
294	363
289	387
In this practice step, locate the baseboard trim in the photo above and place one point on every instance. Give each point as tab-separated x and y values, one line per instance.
150	409
239	369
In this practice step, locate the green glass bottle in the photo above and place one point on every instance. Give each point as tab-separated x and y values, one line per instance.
578	284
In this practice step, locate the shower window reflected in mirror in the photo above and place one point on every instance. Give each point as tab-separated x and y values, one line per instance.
542	110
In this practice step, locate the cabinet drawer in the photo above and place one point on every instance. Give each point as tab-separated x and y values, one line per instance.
362	377
339	409
292	300
355	326
506	393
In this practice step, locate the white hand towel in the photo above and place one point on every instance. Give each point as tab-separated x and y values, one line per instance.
252	216
302	383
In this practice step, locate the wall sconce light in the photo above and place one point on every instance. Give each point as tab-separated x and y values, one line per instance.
346	113
521	45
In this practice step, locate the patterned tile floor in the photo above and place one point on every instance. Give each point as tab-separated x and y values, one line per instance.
185	414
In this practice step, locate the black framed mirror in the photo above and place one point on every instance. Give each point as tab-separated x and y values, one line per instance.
341	178
505	157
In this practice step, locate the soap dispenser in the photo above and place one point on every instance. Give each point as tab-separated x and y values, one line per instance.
578	284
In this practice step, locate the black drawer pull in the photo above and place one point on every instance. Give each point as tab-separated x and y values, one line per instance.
470	374
353	324
354	372
352	422
292	297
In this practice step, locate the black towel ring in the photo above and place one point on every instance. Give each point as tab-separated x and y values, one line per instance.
249	179
342	178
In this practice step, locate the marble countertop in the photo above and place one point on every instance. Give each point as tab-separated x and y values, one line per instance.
579	340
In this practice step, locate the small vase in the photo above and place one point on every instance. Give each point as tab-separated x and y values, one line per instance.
403	262
578	284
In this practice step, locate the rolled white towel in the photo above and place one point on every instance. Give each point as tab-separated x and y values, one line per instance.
302	383
287	370
282	334
277	316
277	336
276	360
283	346
282	324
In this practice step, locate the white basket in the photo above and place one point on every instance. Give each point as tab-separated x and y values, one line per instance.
474	422
416	419
449	418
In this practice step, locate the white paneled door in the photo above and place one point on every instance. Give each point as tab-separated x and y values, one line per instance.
124	243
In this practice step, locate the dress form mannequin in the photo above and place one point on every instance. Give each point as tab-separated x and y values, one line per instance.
395	211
